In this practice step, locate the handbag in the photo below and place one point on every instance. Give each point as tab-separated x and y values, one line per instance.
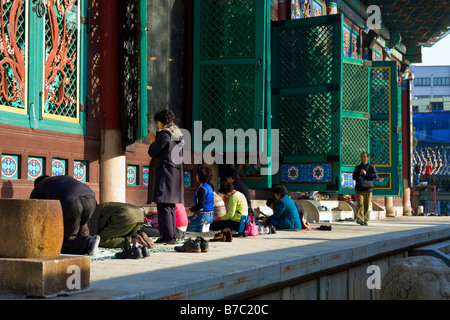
250	226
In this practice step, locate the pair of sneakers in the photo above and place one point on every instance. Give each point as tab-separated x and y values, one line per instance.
360	222
198	244
266	230
133	252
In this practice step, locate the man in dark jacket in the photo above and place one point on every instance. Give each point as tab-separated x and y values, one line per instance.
78	203
364	176
166	173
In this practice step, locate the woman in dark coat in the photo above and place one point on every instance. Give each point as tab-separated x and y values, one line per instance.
166	173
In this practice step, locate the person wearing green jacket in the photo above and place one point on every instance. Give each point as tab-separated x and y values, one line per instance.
116	223
236	205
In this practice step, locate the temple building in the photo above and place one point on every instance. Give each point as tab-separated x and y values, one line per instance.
82	80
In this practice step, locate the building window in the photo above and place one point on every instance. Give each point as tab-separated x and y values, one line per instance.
415	109
441	81
422	97
422	82
437	106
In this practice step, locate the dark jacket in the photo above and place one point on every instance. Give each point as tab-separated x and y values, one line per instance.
166	176
66	189
365	183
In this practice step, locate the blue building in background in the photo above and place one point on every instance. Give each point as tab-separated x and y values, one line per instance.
431	120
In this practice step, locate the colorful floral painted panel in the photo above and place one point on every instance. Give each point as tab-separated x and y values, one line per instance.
188	179
132	175
35	167
306	8
306	173
347	40
58	167
355	46
10	166
145	176
317	9
347	180
80	170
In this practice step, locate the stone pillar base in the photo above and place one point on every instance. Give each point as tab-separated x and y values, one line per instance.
44	278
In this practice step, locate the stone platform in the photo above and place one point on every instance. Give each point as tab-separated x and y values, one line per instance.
44	278
256	267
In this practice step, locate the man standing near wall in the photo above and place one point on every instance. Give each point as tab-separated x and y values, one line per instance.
364	175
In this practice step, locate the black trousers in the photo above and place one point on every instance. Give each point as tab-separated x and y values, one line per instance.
222	224
76	231
167	220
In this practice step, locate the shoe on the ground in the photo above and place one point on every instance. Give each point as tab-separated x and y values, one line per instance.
218	237
365	224
145	252
324	228
204	246
272	230
93	243
359	221
189	246
159	240
228	235
131	252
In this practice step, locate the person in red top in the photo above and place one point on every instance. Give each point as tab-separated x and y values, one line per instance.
428	168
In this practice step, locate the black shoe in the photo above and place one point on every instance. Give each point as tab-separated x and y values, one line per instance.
130	253
204	246
359	221
189	246
324	228
145	252
272	230
159	241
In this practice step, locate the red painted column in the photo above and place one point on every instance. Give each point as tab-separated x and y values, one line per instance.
112	157
109	62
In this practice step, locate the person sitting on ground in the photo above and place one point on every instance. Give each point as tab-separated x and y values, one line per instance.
285	214
300	209
78	203
232	176
236	208
219	206
116	223
201	215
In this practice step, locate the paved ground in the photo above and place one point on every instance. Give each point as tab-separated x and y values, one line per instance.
246	263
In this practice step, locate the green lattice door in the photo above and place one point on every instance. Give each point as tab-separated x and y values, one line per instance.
230	73
306	100
355	117
42	66
385	121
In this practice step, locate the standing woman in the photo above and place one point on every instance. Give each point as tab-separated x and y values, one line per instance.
166	173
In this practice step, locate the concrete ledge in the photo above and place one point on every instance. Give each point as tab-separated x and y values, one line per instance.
249	267
44	277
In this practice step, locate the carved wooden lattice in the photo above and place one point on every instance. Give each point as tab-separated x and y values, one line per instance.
12	54
61	35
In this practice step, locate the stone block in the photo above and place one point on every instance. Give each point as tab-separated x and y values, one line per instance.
43	278
30	228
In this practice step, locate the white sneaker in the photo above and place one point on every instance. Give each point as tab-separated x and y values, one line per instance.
94	241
